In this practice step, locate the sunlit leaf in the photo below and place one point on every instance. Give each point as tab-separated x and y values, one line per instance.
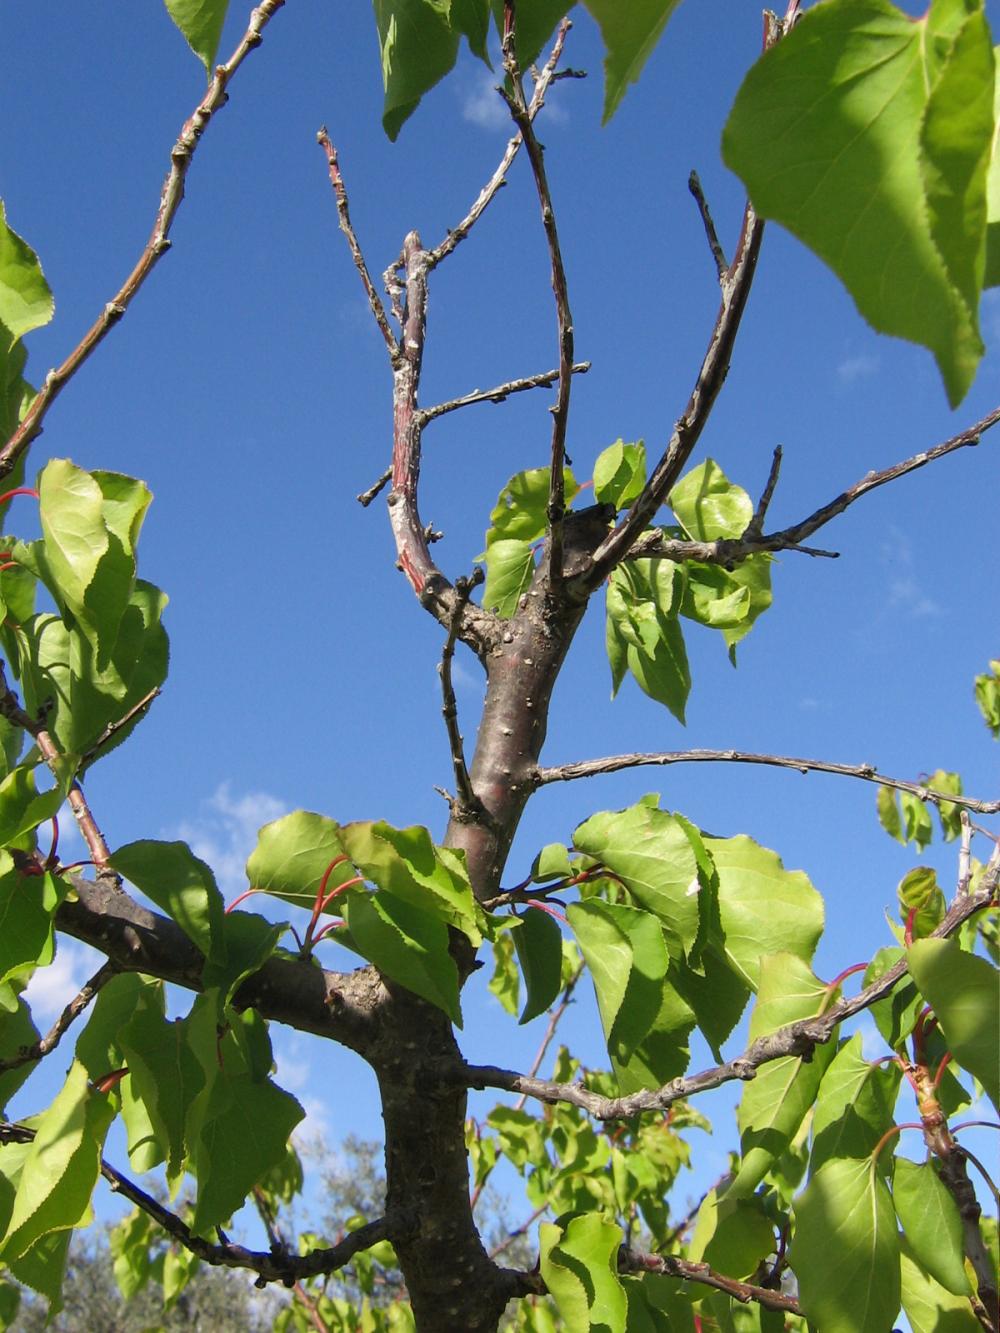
845	1253
579	1265
538	943
25	299
855	1105
620	473
867	133
201	23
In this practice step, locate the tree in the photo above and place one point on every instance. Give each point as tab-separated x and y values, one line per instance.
866	134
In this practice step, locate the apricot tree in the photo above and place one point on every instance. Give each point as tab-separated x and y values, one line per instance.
870	136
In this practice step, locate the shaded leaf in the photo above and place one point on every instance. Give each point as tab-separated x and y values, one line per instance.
931	1223
182	885
928	1306
630	32
732	1235
963	992
538	943
167	1076
854	1107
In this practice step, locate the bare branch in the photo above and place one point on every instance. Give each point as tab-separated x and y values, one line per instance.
711	376
76	1006
466	800
500	392
632	1261
964	439
564	318
344	219
499	178
373	491
588	768
756	525
170	200
796	1039
718	254
114	728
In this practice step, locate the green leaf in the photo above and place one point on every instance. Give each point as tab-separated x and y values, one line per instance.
855	1105
505	982
510	566
71	509
519	513
620	474
406	944
98	1047
731	1235
763	908
845	1253
920	894
61	1167
23	807
408	864
775	1103
579	1261
27	906
643	635
166	1075
931	1223
867	134
988	684
16	1031
538	943
928	1306
896	1015
201	23
718	996
293	854
182	885
246	1127
649	850
949	815
709	506
888	813
630	32
43	1267
25	299
552	862
536	22
628	962
418	49
129	1243
963	992
471	18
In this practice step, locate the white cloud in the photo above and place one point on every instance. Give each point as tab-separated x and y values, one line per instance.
482	105
51	988
854	368
905	592
224	833
294	1073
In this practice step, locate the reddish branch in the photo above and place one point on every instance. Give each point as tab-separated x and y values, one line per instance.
796	1039
588	768
632	1261
170	200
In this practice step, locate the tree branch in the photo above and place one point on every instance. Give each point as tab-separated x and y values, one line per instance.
588	768
170	200
499	393
465	800
336	1005
73	1010
712	236
564	318
633	1261
798	1039
344	221
499	178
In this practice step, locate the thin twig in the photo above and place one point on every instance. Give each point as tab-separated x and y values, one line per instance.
500	392
964	439
113	728
73	1010
373	491
796	1039
344	220
708	383
173	192
631	1261
498	180
677	1231
718	254
588	768
280	1246
756	525
91	834
512	1236
515	100
466	801
965	853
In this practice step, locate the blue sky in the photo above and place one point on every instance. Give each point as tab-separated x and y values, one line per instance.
248	387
